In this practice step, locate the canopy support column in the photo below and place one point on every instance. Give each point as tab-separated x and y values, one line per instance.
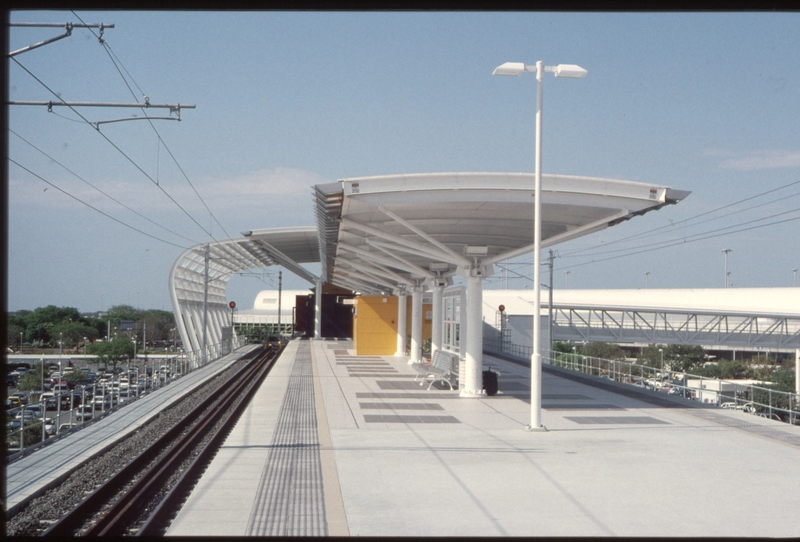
318	311
416	325
401	323
473	379
437	317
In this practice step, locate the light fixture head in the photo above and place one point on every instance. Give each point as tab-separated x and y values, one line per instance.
570	70
476	250
439	266
247	233
510	68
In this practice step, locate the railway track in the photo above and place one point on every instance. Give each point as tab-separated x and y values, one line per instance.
144	496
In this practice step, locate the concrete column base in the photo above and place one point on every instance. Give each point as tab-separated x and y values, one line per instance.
412	362
472	393
540	429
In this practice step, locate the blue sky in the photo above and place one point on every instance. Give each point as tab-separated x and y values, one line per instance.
705	102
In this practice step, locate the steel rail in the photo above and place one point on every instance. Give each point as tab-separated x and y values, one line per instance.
160	517
74	520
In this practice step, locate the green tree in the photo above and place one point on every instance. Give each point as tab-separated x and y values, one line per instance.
564	348
118	313
73	333
604	351
13	332
112	351
31	382
39	323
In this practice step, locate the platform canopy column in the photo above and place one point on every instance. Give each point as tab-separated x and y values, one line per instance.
318	311
797	371
437	316
401	323
473	377
416	325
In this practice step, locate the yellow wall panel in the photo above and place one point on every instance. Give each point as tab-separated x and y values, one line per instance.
375	325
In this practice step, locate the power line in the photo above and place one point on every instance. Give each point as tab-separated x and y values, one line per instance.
117	63
689	241
92	207
99	190
689	238
645	233
113	145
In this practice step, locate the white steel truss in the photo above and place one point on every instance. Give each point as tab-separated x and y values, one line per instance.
593	324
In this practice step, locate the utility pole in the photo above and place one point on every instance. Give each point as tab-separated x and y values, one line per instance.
726	251
550	303
280	286
205	300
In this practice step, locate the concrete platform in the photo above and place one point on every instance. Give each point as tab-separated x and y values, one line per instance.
392	459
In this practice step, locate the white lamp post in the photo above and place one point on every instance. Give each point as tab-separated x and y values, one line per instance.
726	251
562	70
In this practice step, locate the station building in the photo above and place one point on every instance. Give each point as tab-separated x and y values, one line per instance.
402	236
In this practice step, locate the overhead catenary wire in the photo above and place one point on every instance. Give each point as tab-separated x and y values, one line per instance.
92	207
687	238
99	190
117	64
690	219
115	147
680	242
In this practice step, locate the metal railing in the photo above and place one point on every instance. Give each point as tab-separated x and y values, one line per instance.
157	373
758	400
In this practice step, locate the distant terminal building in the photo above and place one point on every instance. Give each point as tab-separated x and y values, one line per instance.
294	313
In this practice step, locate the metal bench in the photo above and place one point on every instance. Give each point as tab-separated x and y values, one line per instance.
443	367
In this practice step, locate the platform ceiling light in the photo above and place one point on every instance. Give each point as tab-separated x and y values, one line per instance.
561	70
439	266
247	233
476	250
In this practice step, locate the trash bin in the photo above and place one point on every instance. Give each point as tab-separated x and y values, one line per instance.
490	382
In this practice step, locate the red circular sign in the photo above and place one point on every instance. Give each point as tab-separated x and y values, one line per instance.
232	304
502	308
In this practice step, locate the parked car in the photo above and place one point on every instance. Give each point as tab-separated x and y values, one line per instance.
49	400
22	395
13	402
26	416
84	413
13	425
37	409
50	426
769	416
66	427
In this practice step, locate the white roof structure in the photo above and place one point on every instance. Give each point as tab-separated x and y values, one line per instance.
380	232
192	303
750	301
376	235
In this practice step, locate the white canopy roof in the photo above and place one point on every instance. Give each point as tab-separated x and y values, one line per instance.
378	233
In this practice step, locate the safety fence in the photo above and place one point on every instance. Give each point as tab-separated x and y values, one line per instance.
748	396
30	426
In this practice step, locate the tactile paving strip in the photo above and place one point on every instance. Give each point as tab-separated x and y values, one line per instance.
290	499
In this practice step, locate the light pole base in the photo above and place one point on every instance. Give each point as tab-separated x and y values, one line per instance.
540	429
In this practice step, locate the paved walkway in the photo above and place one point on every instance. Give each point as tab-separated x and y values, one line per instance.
397	460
